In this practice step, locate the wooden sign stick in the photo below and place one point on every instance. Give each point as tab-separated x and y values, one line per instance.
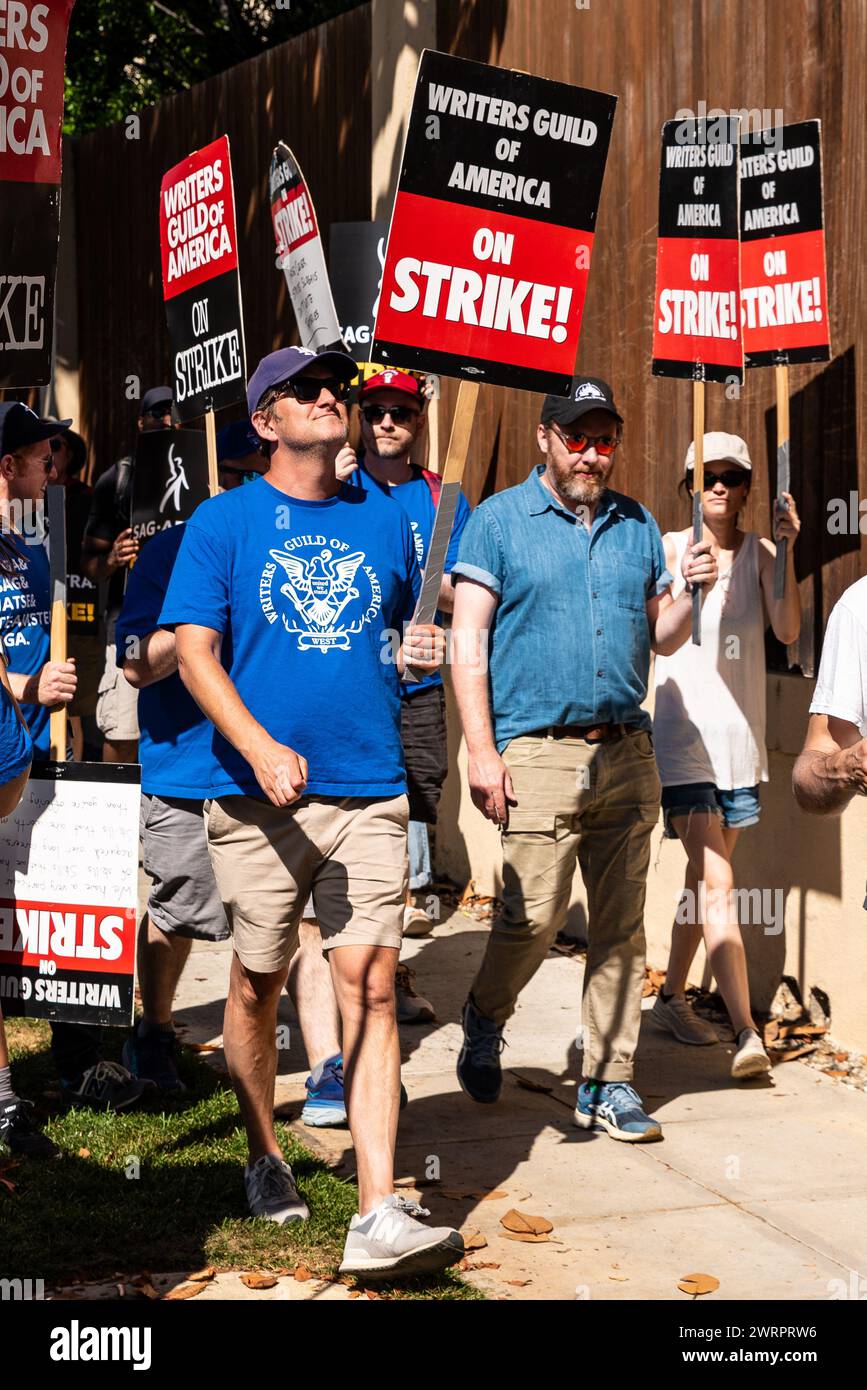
56	497
456	458
211	442
781	375
697	494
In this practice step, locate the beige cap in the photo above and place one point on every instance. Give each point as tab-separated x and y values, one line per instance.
719	446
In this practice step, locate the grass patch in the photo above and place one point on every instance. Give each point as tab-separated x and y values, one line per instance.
81	1217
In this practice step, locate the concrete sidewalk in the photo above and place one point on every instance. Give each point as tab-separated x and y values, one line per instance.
760	1185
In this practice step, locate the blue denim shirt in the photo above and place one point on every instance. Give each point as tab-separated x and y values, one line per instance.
570	643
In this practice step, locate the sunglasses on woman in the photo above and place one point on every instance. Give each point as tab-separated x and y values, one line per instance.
400	414
731	477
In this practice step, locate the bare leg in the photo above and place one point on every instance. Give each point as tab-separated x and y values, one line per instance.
311	989
161	958
125	752
709	848
250	1044
4	1050
77	730
364	985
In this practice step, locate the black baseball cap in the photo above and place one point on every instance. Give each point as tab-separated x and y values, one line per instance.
285	363
20	426
587	393
157	395
236	441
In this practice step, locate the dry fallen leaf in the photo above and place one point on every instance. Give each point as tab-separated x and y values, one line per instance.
258	1281
371	1294
519	1222
620	1278
147	1289
518	1283
84	1153
356	1293
696	1284
183	1291
493	1196
302	1274
841	1056
527	1236
201	1276
790	1055
478	1264
474	1240
833	1071
458	1194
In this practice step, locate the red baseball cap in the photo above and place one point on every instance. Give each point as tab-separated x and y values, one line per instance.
393	380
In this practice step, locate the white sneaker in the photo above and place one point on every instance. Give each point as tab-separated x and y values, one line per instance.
677	1017
271	1191
390	1241
416	921
751	1059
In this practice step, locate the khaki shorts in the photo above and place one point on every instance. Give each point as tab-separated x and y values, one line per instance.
117	705
348	852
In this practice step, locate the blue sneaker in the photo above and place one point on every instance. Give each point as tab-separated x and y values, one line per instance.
153	1057
616	1107
325	1106
479	1071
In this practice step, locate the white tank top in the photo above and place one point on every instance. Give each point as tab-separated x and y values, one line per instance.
709	715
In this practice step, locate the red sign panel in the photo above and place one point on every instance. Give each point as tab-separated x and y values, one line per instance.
32	59
197	219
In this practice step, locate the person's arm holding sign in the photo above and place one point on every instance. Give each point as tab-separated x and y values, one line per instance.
785	612
670	618
832	768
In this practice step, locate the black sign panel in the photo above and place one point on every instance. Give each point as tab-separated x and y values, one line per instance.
170	479
356	262
492	230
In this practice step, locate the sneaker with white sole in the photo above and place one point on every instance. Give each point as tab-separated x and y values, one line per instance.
411	1007
389	1241
616	1107
271	1191
416	921
677	1016
751	1059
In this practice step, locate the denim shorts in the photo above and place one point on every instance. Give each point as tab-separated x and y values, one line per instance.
737	808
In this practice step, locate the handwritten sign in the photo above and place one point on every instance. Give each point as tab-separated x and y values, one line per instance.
69	894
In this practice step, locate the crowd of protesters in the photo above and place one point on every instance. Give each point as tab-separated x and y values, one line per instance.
261	663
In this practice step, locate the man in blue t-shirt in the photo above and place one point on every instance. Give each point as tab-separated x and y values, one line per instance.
176	764
286	597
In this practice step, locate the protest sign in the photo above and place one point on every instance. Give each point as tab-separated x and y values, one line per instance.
69	894
696	316
696	320
783	279
82	608
784	289
56	499
201	286
492	229
356	260
32	59
299	253
169	480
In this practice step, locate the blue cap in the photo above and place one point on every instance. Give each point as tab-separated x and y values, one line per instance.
285	363
20	426
236	441
157	395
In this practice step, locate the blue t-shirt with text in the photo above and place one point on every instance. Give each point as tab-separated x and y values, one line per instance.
25	625
175	743
16	745
311	599
416	498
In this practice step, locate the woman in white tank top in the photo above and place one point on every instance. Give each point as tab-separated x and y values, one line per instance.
709	736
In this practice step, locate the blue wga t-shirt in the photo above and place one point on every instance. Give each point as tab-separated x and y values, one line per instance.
417	501
311	599
25	625
16	745
175	743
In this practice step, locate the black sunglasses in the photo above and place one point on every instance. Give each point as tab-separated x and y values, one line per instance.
158	412
732	477
308	389
400	414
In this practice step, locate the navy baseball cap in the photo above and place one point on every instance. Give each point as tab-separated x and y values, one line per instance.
587	393
157	395
285	363
20	426
236	441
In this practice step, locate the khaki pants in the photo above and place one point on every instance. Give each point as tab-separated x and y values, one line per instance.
597	803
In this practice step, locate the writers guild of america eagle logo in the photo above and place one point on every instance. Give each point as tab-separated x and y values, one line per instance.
331	593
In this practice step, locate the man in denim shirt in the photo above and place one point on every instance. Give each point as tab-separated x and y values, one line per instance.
562	592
